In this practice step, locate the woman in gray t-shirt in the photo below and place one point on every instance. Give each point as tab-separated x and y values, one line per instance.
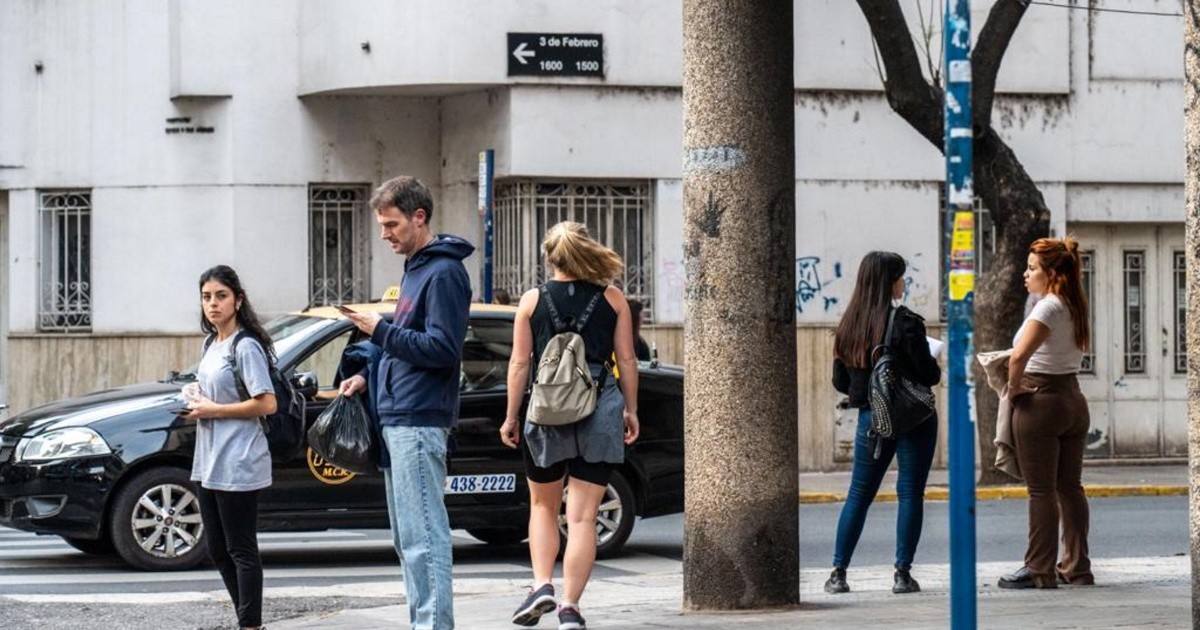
231	462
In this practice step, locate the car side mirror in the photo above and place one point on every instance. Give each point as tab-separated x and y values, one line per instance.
306	384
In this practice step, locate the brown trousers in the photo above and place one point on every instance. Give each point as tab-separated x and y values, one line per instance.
1049	427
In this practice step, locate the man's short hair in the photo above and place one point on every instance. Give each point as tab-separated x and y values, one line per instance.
406	194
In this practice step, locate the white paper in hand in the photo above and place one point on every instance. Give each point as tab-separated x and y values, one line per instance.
935	346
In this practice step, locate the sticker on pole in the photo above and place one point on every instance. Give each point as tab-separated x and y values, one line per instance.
962	282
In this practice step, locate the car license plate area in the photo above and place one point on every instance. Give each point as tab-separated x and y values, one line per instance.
481	484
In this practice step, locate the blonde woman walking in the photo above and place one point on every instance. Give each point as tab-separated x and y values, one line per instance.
580	455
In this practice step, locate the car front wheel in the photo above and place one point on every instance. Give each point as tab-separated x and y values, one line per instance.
155	521
614	520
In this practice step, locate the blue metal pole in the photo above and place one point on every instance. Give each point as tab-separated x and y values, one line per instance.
487	165
960	283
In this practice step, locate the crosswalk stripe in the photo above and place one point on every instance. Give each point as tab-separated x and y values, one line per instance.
340	573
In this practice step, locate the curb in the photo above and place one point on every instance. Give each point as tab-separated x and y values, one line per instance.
989	493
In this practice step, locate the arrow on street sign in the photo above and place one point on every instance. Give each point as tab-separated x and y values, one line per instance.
555	54
523	55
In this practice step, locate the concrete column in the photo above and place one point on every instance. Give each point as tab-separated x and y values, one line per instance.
1191	139
741	534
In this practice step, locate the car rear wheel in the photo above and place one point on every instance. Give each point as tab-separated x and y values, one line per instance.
99	547
155	521
614	520
500	536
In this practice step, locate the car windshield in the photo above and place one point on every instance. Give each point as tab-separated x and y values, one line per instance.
286	331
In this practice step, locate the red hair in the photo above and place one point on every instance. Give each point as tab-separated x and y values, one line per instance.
1059	259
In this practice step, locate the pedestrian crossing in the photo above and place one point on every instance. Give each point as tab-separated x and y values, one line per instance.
342	563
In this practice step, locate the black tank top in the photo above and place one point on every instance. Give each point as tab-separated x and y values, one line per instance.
571	299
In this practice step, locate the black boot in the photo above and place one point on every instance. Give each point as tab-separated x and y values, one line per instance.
904	583
837	582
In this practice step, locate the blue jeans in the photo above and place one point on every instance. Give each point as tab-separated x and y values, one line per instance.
914	450
420	527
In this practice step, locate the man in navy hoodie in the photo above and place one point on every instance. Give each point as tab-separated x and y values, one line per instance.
416	390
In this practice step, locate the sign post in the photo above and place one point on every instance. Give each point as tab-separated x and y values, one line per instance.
487	166
960	286
555	55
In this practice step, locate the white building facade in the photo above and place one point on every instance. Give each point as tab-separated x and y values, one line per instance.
144	141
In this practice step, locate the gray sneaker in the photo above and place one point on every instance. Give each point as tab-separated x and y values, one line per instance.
537	604
570	619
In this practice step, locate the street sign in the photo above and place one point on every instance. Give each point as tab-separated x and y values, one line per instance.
555	55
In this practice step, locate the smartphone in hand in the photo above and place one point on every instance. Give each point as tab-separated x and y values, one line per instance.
182	411
344	309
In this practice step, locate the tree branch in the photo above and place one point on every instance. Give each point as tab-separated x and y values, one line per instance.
997	32
908	93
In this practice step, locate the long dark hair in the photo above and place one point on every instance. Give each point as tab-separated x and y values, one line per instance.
246	317
865	319
1061	257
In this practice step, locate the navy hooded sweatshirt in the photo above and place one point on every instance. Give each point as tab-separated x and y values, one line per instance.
417	382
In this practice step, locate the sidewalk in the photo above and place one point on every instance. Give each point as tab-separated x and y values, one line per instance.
1130	592
1104	480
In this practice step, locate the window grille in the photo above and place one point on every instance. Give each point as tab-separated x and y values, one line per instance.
65	261
1088	271
1134	282
338	243
620	215
1180	276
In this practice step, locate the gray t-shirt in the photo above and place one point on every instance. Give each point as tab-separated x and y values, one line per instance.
231	454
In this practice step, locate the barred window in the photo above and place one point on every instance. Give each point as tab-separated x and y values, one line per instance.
620	215
65	261
1088	268
338	243
1179	270
1134	272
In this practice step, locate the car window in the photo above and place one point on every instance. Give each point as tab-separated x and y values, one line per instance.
288	331
324	360
485	355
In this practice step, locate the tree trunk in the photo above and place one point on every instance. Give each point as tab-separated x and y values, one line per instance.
1016	205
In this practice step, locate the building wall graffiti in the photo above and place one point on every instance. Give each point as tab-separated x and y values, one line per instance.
811	293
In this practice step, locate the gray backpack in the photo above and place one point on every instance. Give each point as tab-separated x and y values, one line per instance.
563	390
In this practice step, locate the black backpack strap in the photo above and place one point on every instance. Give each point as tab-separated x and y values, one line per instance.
243	393
555	319
887	336
587	312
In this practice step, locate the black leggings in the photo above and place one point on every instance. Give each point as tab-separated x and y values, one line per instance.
231	531
579	468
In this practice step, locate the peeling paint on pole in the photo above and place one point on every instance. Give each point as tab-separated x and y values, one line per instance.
722	158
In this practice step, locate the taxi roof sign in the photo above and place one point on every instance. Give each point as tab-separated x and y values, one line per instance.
392	294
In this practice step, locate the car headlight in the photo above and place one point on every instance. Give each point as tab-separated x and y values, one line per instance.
62	444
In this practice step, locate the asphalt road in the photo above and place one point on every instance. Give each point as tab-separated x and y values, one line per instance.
45	583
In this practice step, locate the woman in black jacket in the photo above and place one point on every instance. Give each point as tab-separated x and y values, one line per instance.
878	289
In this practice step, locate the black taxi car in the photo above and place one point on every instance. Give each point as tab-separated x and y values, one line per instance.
109	471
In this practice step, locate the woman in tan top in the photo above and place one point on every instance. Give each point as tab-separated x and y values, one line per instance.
1050	417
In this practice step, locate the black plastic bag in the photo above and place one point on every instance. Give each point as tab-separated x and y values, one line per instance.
344	435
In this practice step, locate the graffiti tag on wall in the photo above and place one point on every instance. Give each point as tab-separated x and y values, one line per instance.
810	288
